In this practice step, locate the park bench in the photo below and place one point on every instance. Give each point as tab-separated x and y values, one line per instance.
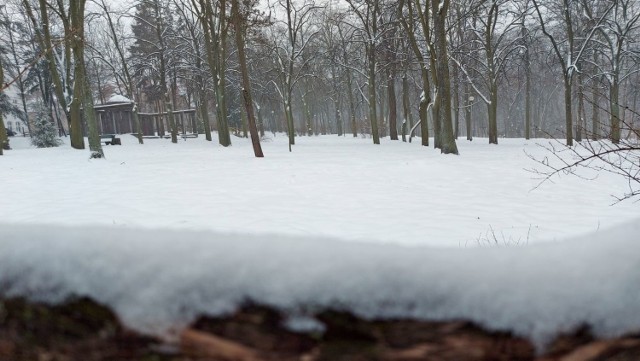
110	139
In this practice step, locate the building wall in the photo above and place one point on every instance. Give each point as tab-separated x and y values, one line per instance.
12	122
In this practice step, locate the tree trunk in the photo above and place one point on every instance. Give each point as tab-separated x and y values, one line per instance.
260	120
448	141
423	108
614	96
435	112
289	115
493	116
527	94
580	120
407	121
246	85
223	121
4	139
373	118
467	111
595	110
352	107
567	110
393	111
3	135
204	114
307	116
456	101
243	121
81	81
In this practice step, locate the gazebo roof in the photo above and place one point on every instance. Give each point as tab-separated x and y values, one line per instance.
117	98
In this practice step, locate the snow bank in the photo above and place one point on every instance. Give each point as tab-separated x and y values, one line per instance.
157	280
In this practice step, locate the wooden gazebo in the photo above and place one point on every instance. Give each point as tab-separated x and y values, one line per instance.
116	117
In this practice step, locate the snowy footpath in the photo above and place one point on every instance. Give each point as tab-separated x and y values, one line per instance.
163	233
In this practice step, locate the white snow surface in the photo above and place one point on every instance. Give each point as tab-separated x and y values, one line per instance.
163	232
328	186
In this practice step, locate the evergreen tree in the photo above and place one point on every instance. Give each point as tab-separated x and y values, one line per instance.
154	57
45	134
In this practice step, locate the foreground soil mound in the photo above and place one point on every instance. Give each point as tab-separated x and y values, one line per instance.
82	330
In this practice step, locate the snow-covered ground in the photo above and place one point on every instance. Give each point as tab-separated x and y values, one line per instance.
342	188
165	232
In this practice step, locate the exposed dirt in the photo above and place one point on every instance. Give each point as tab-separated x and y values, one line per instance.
82	330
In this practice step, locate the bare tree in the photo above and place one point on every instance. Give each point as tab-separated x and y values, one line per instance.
495	37
81	81
447	144
239	22
368	12
425	60
290	43
618	32
61	82
568	49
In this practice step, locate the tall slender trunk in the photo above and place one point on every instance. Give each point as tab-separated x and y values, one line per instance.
81	81
614	104
243	122
4	139
352	107
527	94
260	120
382	119
204	113
493	113
407	121
307	116
435	109
223	121
567	110
373	118
423	108
246	85
338	116
393	111
595	110
336	101
456	101
493	91
580	120
291	131
467	111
